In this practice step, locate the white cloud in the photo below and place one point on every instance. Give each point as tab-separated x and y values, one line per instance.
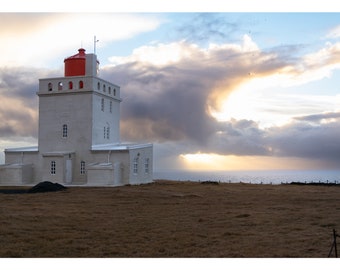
333	33
160	54
54	36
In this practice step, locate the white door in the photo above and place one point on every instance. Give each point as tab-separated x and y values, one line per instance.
68	171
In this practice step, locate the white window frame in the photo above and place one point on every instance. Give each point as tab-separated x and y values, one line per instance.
147	165
53	167
135	165
108	133
82	167
65	131
102	104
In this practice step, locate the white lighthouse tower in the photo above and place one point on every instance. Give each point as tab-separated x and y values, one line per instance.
79	134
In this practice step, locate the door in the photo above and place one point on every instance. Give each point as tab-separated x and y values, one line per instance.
68	171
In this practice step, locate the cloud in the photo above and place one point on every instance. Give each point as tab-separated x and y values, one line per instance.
172	100
303	139
170	92
19	102
333	33
320	118
208	28
36	38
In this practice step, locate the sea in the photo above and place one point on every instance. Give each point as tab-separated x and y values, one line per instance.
274	177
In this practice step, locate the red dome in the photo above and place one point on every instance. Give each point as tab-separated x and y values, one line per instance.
75	65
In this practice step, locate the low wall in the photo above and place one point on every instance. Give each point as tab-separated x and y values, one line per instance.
16	174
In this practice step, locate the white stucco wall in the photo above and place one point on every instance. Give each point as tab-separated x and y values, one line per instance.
107	118
142	154
25	157
16	174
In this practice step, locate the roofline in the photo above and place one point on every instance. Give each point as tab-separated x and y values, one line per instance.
119	147
23	149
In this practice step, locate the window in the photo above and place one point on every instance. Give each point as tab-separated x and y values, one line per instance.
81	84
146	165
135	165
110	106
50	86
60	86
102	105
108	133
82	167
104	88
64	131
109	90
70	85
98	86
114	91
53	167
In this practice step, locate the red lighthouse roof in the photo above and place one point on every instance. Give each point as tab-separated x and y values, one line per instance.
75	65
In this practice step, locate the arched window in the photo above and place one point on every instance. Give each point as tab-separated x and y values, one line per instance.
81	84
65	131
104	88
98	86
70	85
82	167
114	91
50	86
60	86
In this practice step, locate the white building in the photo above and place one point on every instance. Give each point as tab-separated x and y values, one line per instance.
79	134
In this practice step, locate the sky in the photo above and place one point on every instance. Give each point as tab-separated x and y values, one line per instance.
211	90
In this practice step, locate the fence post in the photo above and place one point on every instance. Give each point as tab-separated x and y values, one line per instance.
335	248
334	245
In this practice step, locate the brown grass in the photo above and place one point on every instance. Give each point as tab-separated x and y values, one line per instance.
171	219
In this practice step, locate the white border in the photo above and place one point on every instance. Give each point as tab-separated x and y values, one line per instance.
169	6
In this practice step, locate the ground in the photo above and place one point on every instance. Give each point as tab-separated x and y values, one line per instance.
172	219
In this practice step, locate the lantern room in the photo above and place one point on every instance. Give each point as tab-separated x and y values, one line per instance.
76	65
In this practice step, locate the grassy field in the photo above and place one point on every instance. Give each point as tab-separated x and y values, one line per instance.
171	219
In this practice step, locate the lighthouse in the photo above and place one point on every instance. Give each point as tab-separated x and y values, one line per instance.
79	134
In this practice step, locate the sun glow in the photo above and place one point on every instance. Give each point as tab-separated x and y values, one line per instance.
255	100
210	161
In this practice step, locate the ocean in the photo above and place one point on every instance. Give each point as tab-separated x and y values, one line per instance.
254	177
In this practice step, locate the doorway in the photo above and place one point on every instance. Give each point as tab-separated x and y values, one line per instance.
68	171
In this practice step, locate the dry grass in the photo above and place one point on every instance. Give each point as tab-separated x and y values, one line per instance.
171	219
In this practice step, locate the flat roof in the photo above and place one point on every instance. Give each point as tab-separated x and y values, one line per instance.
120	146
23	149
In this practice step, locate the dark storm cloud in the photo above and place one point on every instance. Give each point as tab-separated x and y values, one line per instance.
319	117
19	82
307	139
168	104
243	137
172	101
19	102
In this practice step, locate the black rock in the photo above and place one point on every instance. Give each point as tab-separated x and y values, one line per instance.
46	186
